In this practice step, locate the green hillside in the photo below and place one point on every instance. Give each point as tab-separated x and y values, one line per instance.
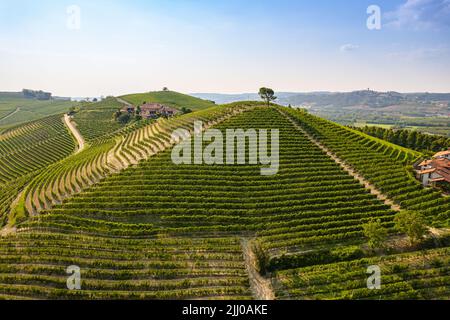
25	150
141	227
95	119
170	98
15	109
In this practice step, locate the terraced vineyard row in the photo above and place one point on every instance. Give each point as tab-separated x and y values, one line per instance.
95	120
33	146
418	275
387	166
25	150
33	265
301	205
106	155
159	230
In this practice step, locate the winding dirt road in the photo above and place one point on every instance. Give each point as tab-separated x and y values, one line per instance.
75	132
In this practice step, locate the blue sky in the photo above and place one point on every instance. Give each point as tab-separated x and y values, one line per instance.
223	46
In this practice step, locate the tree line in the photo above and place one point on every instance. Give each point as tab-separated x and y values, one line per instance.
39	95
412	139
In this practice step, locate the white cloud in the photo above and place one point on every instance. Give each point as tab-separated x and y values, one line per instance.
348	47
421	14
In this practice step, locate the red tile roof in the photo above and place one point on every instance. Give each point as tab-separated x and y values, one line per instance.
442	154
440	166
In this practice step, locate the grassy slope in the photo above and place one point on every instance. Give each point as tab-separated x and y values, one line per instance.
29	110
96	119
173	99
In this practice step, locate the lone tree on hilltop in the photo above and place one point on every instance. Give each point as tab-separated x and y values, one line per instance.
267	95
165	89
413	224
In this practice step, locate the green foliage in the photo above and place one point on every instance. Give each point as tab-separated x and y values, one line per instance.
261	256
409	138
316	257
267	95
98	119
385	165
185	110
375	233
25	150
141	227
124	118
413	224
39	95
417	275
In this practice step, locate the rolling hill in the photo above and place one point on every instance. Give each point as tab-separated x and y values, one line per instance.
425	112
369	98
16	109
170	98
140	226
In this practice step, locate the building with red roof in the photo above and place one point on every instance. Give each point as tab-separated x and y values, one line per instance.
435	171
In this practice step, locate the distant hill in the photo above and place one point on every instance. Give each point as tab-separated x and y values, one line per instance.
170	98
227	98
368	98
15	108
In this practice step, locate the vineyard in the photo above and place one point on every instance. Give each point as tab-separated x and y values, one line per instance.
169	98
141	227
95	120
25	150
418	275
104	156
16	110
383	164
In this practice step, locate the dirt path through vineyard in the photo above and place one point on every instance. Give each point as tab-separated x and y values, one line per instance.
11	114
75	133
261	287
346	167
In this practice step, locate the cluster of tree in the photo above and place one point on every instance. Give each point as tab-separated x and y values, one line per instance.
185	110
409	138
411	223
39	95
72	111
123	118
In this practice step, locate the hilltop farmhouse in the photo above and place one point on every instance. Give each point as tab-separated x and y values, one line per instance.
152	110
435	171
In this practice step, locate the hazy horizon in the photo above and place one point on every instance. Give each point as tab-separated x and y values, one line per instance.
220	93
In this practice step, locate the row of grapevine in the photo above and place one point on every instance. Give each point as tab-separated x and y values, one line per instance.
25	151
33	146
104	156
156	230
387	166
417	275
33	265
95	120
310	202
